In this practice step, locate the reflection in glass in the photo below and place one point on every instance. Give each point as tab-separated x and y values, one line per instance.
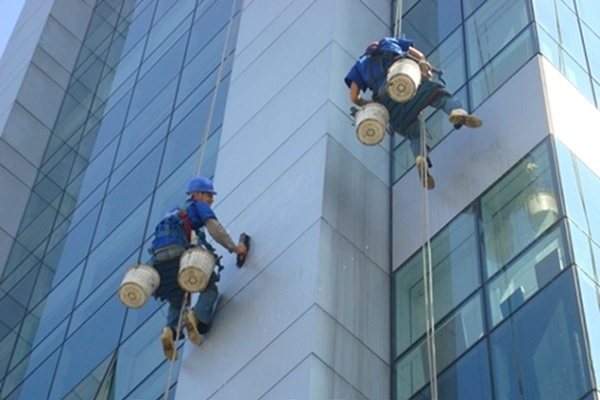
452	339
519	208
538	353
530	272
455	276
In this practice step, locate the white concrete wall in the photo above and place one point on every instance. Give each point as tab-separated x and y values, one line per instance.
35	70
308	316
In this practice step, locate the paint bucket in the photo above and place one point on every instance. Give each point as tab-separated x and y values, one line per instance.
403	80
371	123
542	210
137	286
195	267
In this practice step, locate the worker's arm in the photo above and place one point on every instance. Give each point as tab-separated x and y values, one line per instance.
423	64
220	234
355	95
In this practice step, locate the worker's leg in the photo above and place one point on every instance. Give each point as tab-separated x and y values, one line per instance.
457	115
198	321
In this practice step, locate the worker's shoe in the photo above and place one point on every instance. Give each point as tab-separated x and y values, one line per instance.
191	323
168	343
426	179
459	117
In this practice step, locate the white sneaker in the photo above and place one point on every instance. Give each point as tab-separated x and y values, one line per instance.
426	179
168	344
460	117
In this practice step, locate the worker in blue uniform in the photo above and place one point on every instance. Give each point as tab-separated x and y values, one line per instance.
167	248
370	73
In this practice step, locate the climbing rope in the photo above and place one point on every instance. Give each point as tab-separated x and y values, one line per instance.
197	169
428	267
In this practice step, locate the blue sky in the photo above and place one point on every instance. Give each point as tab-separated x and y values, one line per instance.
9	12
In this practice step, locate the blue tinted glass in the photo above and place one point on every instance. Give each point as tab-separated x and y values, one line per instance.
590	293
569	176
503	66
547	362
493	26
442	18
37	385
592	44
157	78
111	253
590	187
588	10
128	194
80	356
454	253
468	379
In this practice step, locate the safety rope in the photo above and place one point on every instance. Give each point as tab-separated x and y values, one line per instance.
197	169
428	265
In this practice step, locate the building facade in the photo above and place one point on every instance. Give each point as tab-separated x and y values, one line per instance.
110	106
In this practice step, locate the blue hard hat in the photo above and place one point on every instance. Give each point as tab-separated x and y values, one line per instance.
200	184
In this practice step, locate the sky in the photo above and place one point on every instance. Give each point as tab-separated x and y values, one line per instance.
9	13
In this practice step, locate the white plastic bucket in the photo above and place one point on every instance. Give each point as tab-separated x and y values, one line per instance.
371	123
403	80
542	210
195	267
138	285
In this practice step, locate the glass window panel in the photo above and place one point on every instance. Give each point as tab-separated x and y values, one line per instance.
136	26
452	339
455	276
57	306
207	25
75	364
545	16
577	75
47	345
37	385
546	360
111	253
7	344
468	379
569	177
94	385
538	266
157	78
491	27
570	35
403	159
139	355
590	187
154	385
89	302
590	293
128	194
582	250
442	18
126	70
519	207
170	27
449	56
588	11
145	132
203	69
502	67
471	5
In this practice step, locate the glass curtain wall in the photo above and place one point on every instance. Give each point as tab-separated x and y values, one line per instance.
478	44
506	303
125	143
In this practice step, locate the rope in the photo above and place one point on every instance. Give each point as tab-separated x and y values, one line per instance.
398	19
215	94
428	268
197	169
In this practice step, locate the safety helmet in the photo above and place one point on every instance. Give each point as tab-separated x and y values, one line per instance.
200	184
371	46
